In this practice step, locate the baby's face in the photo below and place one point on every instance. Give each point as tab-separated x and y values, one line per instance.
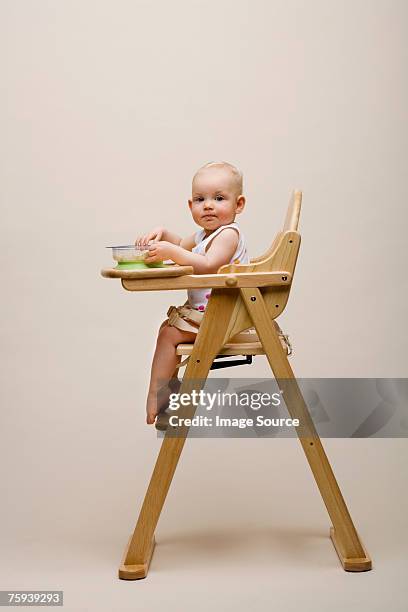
215	198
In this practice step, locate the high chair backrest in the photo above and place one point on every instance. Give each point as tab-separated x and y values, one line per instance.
281	255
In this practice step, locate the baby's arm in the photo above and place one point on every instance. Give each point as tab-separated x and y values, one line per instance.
161	233
188	243
220	252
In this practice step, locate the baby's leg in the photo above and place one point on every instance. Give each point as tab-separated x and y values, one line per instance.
174	382
164	363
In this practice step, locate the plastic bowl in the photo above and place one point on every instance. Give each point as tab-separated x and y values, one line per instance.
131	256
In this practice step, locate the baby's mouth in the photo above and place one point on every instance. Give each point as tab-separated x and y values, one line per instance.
208	217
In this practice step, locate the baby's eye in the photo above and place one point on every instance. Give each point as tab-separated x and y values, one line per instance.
219	198
199	199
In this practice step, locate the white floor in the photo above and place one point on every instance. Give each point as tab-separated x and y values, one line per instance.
243	527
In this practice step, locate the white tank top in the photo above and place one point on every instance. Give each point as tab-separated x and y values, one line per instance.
198	298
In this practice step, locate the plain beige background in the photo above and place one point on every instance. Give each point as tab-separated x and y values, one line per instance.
107	109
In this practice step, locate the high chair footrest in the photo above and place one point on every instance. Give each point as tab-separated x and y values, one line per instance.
218	364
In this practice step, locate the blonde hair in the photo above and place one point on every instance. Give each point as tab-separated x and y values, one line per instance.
238	176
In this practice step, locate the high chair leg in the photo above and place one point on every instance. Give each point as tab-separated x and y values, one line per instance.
210	338
347	543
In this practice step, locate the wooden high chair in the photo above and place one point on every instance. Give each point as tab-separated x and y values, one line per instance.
242	297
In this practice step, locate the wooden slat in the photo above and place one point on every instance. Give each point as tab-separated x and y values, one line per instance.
142	273
280	278
293	213
210	339
234	348
347	539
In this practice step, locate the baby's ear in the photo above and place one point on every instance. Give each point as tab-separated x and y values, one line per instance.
190	203
240	203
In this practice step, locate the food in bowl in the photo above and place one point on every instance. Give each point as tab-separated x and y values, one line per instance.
131	256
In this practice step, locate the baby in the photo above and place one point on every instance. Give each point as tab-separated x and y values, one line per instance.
216	199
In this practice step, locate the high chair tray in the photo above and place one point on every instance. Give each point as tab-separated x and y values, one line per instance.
170	270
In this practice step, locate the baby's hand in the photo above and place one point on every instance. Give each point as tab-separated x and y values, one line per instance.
156	234
160	250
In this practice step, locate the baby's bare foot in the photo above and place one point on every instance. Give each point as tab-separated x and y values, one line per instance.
151	408
159	402
150	418
152	413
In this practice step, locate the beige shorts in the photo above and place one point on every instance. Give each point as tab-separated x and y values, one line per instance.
188	319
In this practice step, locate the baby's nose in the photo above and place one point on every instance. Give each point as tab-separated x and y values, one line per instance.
208	203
